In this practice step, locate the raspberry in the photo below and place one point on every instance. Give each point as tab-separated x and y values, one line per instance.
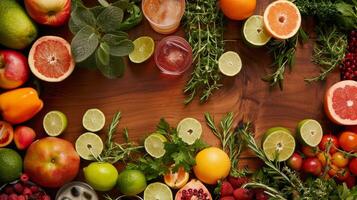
9	190
4	197
12	197
27	191
18	188
34	189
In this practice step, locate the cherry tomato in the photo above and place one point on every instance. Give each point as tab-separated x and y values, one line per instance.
295	162
333	170
353	166
343	174
348	141
323	158
350	181
309	151
325	140
339	159
312	165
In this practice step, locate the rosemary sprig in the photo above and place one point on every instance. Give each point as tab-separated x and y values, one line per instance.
204	28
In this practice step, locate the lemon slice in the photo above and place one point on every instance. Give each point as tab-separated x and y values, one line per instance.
89	146
54	123
189	130
310	132
158	191
93	120
143	49
230	63
154	145
254	32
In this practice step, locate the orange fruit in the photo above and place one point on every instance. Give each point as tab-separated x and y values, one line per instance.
50	59
212	164
238	9
176	180
341	103
282	19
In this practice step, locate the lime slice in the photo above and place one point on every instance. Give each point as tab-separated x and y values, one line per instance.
54	123
189	130
154	145
157	191
310	132
254	32
278	144
143	49
93	120
230	63
89	146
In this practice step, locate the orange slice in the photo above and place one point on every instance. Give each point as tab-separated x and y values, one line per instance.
178	179
282	19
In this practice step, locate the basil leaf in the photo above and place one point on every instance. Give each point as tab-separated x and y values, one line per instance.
102	53
110	18
113	39
82	16
123	48
114	69
84	43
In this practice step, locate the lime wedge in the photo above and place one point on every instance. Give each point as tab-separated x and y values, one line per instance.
154	145
230	63
189	130
54	123
157	191
93	120
143	49
310	132
254	32
278	144
89	146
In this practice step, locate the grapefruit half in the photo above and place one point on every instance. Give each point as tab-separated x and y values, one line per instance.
50	59
341	103
282	19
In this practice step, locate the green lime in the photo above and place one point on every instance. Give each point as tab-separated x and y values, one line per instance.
54	123
189	130
93	120
10	165
154	145
102	176
157	191
131	182
254	32
310	132
89	146
143	49
230	63
278	144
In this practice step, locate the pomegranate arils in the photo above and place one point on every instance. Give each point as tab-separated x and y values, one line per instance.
348	67
194	194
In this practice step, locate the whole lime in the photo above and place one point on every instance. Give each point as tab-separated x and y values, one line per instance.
131	182
10	165
102	176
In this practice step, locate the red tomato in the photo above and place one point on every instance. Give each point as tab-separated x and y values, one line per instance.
312	166
323	156
343	175
333	170
295	162
309	151
350	181
339	159
325	140
348	141
353	166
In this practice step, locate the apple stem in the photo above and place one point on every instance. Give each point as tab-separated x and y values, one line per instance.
104	3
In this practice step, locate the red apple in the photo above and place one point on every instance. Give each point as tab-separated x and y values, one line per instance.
51	162
49	12
23	137
14	70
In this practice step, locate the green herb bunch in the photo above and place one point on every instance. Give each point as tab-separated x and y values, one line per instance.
204	31
98	35
178	154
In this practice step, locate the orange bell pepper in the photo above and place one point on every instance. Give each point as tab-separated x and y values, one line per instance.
20	105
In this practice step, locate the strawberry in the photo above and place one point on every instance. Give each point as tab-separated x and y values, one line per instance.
4	197
24	178
226	189
12	197
260	195
243	194
238	182
45	197
18	188
227	198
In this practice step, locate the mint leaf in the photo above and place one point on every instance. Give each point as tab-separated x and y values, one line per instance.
102	53
74	28
84	43
123	48
110	18
96	10
82	16
114	69
113	39
123	4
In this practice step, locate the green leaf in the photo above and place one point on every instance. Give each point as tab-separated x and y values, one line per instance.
113	39
74	28
84	43
82	16
110	18
123	4
96	10
114	69
102	53
123	48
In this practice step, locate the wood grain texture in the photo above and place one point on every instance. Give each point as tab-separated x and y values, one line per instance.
144	95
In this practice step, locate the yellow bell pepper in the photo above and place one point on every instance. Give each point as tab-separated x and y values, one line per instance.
20	105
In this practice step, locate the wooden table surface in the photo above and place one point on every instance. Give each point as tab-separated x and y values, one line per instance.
144	95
